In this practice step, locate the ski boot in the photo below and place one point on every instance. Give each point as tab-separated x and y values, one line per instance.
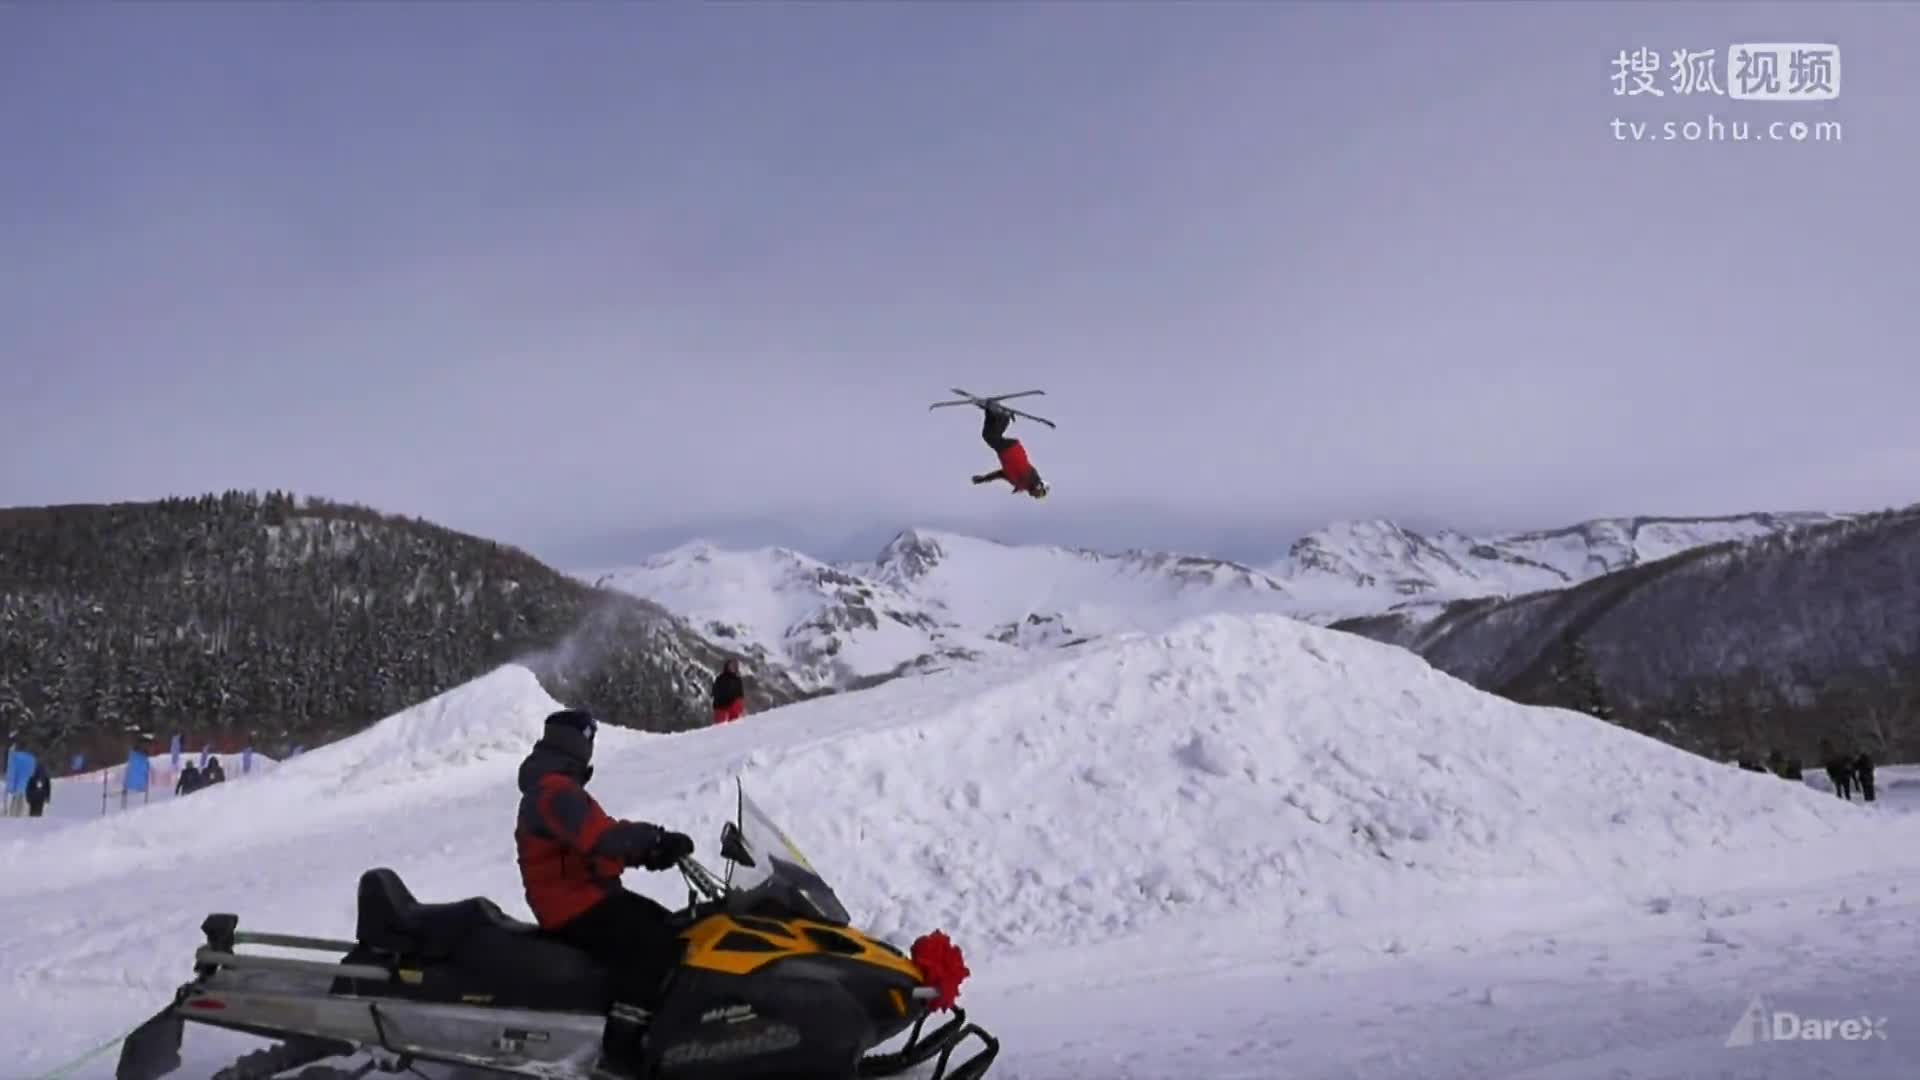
623	1046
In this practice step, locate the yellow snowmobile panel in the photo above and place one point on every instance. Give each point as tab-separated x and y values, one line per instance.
743	944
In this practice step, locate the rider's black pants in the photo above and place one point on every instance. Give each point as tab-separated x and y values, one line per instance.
631	936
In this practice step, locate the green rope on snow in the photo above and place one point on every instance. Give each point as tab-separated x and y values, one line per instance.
67	1069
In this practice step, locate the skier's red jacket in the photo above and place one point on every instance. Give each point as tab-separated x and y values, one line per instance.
571	853
1015	467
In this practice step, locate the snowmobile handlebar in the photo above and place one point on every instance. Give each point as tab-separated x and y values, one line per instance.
701	882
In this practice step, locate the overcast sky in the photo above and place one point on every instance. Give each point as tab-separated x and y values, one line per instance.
598	278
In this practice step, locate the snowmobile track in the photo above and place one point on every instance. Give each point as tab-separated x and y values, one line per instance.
276	1059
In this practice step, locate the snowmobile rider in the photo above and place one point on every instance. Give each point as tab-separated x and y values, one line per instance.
1014	467
571	857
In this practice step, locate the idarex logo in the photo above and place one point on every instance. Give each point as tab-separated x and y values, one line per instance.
1762	1023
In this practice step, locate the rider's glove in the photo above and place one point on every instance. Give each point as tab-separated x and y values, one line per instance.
669	849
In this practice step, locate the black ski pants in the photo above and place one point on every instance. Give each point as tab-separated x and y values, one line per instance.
630	934
994	429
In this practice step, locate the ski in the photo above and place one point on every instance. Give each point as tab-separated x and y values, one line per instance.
970	398
967	398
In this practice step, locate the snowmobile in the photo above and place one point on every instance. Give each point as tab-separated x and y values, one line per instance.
774	982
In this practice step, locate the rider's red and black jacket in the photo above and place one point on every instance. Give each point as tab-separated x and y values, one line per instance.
571	853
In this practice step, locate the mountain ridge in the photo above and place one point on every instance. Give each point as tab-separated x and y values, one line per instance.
837	625
1806	642
1369	566
932	596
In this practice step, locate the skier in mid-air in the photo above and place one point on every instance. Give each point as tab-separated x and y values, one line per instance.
1014	467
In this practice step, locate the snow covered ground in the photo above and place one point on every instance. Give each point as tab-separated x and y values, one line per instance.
1239	847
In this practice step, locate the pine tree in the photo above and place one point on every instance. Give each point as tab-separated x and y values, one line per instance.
15	716
1698	713
1577	686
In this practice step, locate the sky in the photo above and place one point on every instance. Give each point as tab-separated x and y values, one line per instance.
597	278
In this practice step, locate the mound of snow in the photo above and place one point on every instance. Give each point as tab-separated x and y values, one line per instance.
490	720
1251	763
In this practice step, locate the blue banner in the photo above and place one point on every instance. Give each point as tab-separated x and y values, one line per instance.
204	755
246	759
79	762
19	770
137	770
173	749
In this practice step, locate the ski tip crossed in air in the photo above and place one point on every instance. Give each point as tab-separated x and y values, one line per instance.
1015	468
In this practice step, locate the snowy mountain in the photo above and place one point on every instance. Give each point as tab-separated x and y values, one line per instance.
1242	847
1044	593
1789	643
929	598
826	626
1371	567
932	597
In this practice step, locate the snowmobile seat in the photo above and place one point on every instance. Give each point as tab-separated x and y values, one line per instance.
470	947
392	920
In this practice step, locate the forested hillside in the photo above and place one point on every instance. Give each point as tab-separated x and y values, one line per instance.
1797	642
299	621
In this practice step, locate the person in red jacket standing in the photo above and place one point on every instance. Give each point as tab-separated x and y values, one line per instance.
571	857
1014	467
729	694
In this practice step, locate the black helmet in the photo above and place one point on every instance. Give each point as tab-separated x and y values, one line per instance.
571	732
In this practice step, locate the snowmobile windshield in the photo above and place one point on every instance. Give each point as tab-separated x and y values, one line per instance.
780	870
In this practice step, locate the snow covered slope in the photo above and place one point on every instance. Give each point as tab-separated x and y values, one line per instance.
929	598
1370	567
1232	791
